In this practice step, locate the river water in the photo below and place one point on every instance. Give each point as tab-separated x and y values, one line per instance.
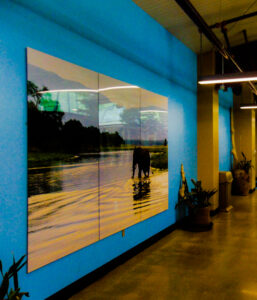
67	210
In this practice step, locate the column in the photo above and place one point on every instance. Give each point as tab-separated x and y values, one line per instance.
244	122
208	129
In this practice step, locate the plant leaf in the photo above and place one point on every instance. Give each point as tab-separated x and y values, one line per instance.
1	268
24	294
20	260
20	267
15	279
4	286
15	266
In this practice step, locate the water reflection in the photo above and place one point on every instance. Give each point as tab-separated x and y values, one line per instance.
141	193
65	176
44	182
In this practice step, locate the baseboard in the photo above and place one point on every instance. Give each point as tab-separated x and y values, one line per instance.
88	279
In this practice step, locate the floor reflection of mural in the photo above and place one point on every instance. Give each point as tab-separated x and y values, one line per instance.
85	128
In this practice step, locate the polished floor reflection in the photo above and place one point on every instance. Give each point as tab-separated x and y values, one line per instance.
218	264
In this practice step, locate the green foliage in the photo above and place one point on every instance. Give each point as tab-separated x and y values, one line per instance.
10	293
197	198
201	197
245	164
160	160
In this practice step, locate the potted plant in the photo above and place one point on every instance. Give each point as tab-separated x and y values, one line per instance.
241	182
198	203
14	293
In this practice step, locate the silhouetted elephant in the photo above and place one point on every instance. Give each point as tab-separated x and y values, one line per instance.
141	158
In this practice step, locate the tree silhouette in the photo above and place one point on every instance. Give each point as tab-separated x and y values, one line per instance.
111	139
73	136
47	131
33	91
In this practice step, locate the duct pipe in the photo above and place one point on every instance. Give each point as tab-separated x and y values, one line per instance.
193	14
236	19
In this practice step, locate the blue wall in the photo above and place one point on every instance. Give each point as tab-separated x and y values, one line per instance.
124	43
225	103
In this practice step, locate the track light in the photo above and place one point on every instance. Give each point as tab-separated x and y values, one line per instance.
229	78
248	106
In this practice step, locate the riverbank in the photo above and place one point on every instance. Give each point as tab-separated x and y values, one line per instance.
41	159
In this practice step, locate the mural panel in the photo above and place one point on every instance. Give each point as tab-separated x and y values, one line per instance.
119	123
154	139
63	146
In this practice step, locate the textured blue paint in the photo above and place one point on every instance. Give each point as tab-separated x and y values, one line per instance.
225	103
124	43
121	27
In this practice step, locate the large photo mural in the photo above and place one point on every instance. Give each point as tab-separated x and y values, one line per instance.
97	157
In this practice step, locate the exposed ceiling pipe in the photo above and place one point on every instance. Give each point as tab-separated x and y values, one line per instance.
224	31
202	25
236	19
245	36
193	14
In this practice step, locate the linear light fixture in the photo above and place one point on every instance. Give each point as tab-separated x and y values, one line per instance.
229	78
91	90
154	111
248	106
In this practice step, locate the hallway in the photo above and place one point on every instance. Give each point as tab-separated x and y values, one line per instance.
219	264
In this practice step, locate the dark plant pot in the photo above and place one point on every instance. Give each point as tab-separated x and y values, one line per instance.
241	183
202	216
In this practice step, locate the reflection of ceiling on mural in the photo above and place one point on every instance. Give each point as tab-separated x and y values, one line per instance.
51	80
150	99
130	98
153	109
96	100
127	98
63	69
55	73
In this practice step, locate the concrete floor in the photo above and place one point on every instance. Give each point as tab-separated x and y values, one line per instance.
218	264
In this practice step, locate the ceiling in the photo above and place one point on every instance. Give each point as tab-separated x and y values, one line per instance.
171	16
